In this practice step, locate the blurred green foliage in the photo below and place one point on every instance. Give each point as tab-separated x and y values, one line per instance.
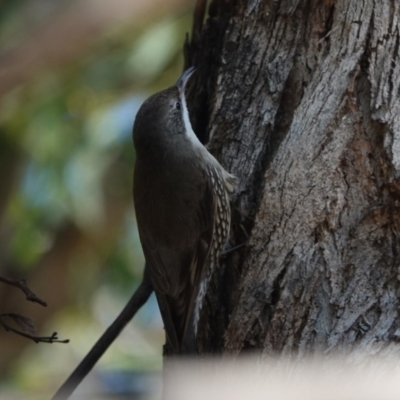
71	124
70	128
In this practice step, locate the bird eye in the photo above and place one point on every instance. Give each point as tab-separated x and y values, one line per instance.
178	105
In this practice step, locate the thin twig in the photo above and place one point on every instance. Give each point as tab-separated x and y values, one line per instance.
192	43
37	339
137	300
198	18
21	284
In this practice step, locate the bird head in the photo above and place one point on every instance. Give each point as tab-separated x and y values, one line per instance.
164	115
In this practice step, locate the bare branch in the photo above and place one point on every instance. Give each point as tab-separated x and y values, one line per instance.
37	339
134	304
21	284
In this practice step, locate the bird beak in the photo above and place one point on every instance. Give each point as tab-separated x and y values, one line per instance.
182	81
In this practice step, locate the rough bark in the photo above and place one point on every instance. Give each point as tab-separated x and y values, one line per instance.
302	99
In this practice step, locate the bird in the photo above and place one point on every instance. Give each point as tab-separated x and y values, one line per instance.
182	205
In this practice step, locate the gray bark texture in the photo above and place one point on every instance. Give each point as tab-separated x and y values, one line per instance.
300	100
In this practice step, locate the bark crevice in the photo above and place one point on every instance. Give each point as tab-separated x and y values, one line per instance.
305	111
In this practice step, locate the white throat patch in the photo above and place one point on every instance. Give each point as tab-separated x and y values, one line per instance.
188	126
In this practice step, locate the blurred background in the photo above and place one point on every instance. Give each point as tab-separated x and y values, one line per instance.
72	76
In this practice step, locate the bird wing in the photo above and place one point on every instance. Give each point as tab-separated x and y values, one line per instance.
176	271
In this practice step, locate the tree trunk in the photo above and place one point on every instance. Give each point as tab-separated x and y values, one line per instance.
300	100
